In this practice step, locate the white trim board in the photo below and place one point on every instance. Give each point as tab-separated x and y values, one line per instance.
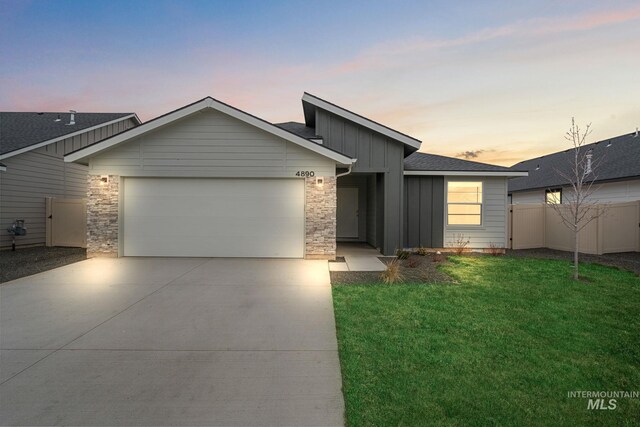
3	168
68	135
466	173
207	102
362	121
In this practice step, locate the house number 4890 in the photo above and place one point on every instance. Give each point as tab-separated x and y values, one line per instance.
306	174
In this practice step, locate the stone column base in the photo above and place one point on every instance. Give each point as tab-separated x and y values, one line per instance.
320	218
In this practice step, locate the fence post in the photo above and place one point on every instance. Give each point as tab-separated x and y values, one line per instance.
638	246
544	225
599	230
49	223
510	227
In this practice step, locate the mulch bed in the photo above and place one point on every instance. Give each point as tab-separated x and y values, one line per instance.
28	261
423	270
625	261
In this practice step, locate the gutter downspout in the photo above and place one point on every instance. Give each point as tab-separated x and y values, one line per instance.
348	170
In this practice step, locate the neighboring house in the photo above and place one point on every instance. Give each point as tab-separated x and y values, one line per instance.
211	180
616	173
32	147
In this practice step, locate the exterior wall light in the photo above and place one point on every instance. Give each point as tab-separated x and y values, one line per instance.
319	181
104	179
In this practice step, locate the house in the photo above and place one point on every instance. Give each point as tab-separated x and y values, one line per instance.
616	173
32	147
211	180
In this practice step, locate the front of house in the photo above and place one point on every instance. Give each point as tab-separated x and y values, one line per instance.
209	180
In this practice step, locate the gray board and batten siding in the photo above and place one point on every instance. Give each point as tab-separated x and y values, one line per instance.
376	154
424	211
34	175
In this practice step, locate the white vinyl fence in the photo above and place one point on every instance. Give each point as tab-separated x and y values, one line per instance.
617	229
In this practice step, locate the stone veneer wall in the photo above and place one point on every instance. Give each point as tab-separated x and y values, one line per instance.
320	218
102	216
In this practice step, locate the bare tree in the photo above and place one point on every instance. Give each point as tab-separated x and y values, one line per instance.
578	207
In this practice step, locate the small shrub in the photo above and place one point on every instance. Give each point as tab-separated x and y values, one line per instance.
438	257
413	262
422	251
402	254
459	243
495	250
392	274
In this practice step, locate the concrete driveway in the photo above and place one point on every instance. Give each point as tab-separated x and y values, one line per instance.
167	341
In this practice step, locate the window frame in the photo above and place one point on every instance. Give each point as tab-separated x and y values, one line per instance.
447	203
552	190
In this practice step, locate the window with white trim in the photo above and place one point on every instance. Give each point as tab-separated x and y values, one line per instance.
464	203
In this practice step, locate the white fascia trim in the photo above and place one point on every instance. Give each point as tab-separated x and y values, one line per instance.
361	120
194	108
69	135
466	173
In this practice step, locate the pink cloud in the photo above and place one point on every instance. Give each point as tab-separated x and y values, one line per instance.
589	21
386	55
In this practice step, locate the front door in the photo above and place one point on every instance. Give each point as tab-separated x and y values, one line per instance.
347	213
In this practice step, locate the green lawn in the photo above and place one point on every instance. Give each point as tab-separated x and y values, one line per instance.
503	346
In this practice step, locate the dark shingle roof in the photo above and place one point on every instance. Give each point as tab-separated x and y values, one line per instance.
616	158
299	129
432	162
21	130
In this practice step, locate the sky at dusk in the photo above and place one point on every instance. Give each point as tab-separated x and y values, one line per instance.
495	81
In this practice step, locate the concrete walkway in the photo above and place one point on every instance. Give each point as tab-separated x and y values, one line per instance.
358	257
141	341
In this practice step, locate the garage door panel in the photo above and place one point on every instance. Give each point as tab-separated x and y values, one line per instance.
214	217
232	206
232	246
199	187
232	227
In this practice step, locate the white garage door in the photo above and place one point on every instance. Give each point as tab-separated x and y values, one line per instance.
214	217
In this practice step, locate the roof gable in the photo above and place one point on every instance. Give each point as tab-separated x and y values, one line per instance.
25	131
617	158
310	101
203	104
